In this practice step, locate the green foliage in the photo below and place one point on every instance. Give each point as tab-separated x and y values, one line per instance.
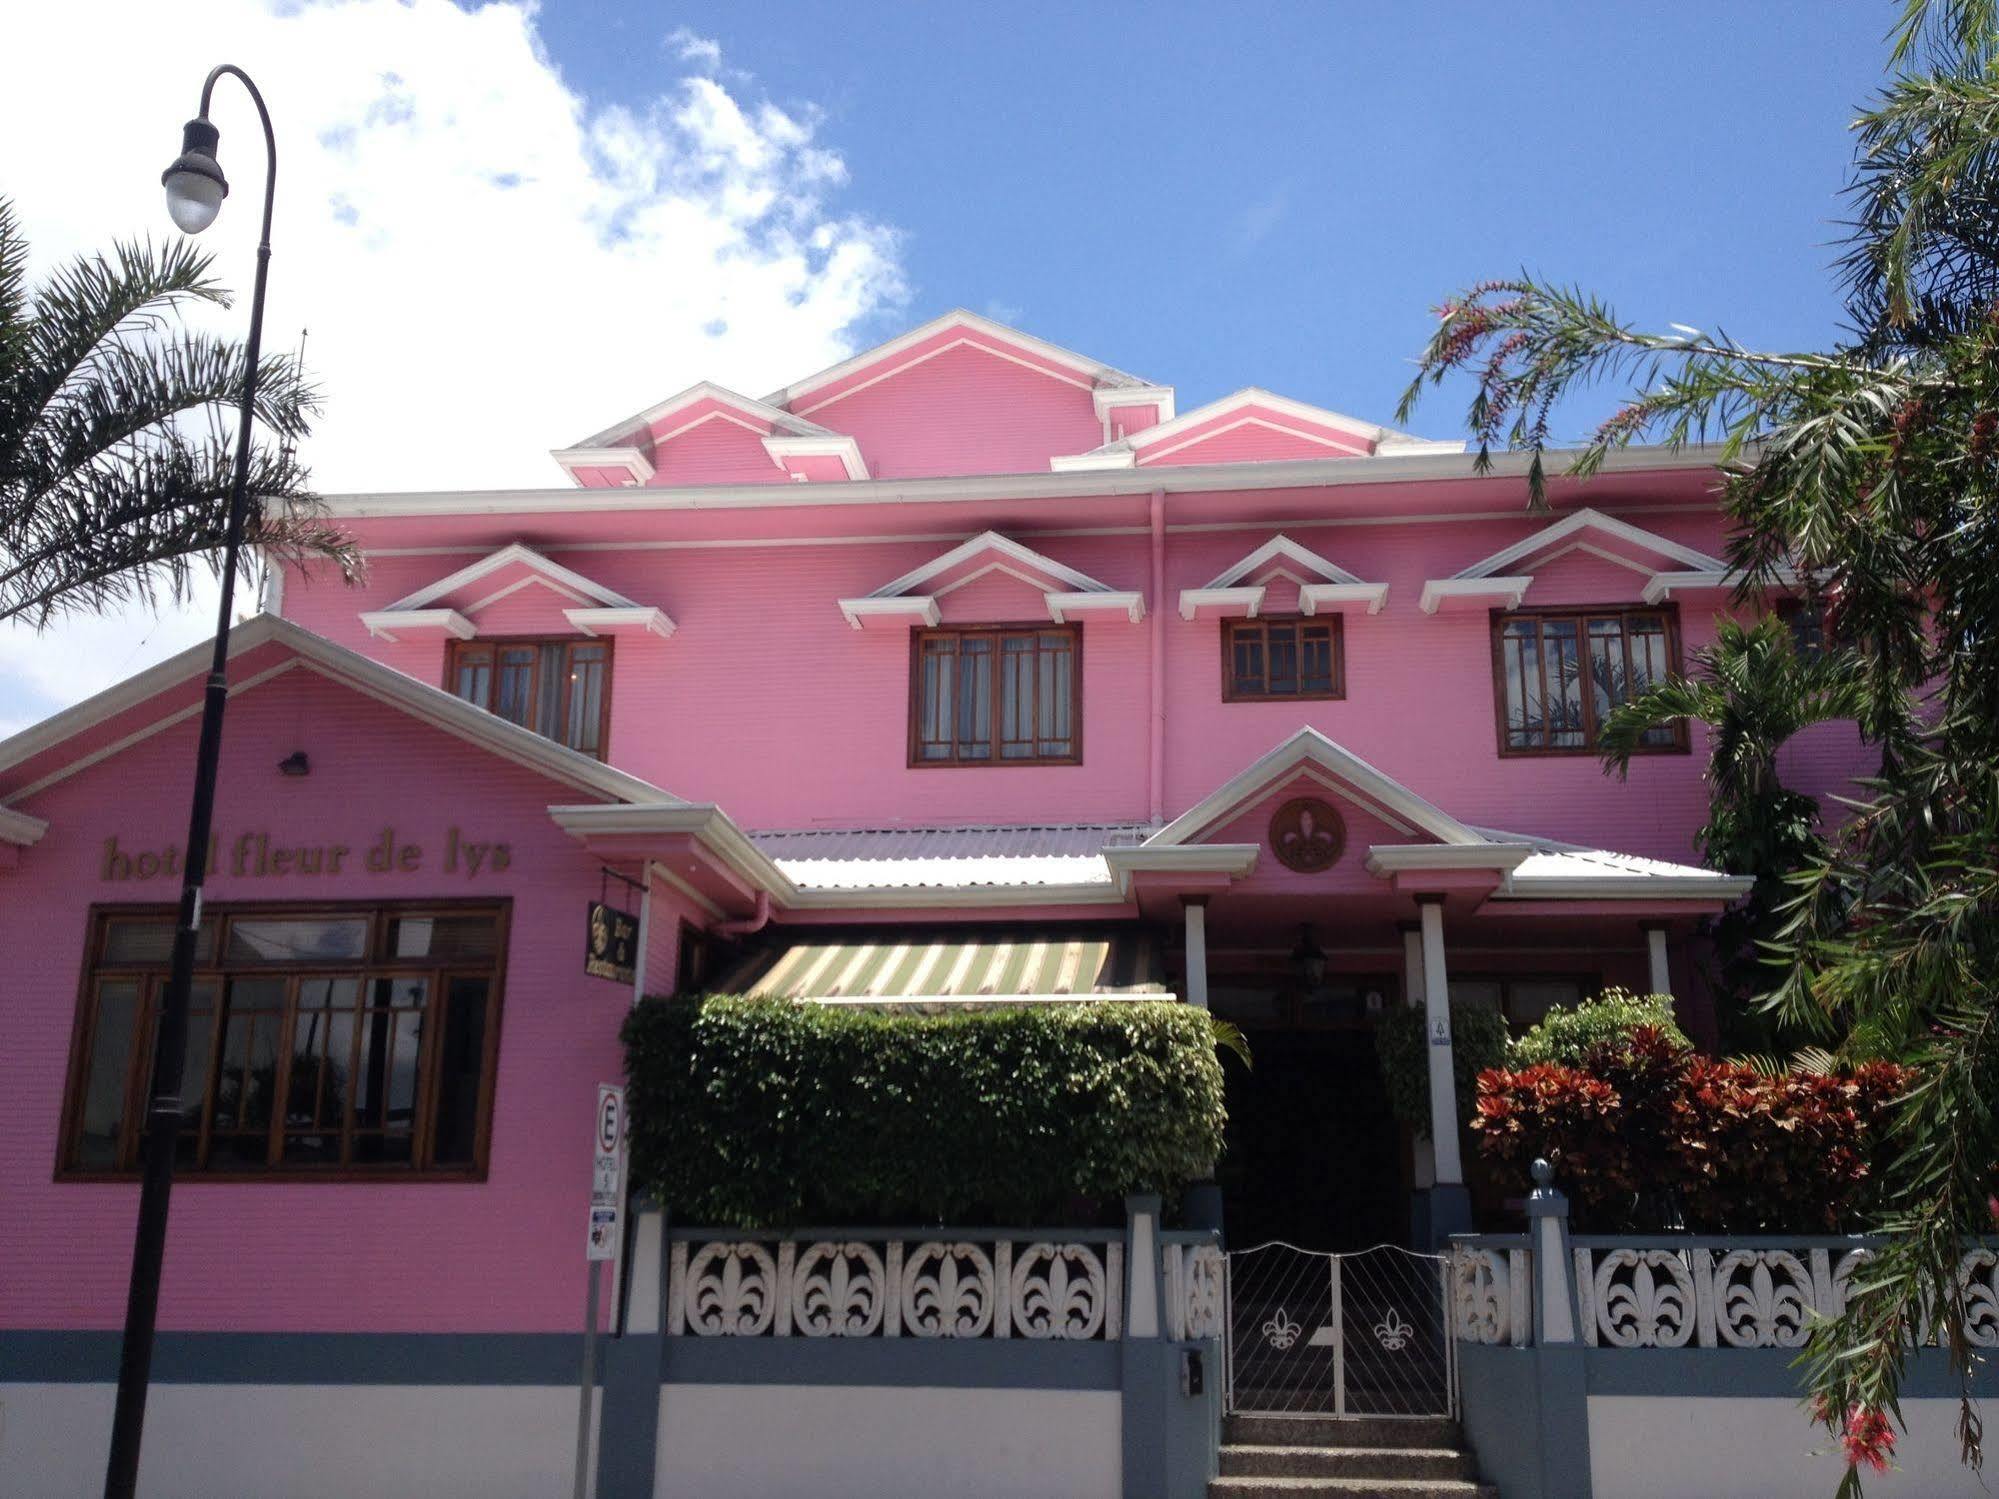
1871	470
1754	691
116	449
1565	1036
1649	1135
1401	1041
761	1113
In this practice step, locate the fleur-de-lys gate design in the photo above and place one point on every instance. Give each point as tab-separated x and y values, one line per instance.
1364	1334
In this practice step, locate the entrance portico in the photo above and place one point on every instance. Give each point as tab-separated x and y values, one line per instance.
1312	840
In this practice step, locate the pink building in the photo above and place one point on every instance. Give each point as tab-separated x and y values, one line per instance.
968	667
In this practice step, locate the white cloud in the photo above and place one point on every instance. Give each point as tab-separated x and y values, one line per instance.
490	264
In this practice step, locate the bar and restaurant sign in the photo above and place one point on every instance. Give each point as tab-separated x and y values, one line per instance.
611	950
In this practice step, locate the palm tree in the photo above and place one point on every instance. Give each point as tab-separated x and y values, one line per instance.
115	445
1755	691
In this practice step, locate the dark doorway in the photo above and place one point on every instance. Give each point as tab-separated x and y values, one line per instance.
1313	1156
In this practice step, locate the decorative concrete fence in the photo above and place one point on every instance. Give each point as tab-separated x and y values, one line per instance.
1081	1363
1665	1365
1680	1291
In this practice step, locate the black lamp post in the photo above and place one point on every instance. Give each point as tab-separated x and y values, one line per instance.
195	190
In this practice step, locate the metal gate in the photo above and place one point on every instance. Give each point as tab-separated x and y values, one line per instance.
1365	1334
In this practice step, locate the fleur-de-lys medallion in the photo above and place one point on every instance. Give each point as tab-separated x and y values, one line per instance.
1392	1332
1280	1331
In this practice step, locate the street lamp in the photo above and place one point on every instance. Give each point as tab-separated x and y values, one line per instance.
195	190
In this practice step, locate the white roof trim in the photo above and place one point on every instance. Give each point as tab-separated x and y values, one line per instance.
1252	395
1663	585
1395	858
1249	600
565	578
1309	747
1091	601
702	390
1504	592
1094	370
1339	586
846	449
432	705
909	582
1262	473
20	829
1312	597
596	621
388	624
913	607
1235	860
1281	545
1117	455
703	821
1109	399
1586	519
631	460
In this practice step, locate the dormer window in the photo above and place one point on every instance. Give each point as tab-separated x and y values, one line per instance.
561	689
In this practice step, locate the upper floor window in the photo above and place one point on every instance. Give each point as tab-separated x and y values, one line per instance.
1559	672
1283	659
327	1039
985	695
559	688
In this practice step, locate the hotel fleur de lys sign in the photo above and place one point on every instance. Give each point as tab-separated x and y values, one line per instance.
262	855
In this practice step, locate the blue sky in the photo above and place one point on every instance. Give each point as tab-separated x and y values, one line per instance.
1217	196
1210	196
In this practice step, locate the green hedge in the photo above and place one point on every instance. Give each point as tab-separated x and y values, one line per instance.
758	1113
1566	1036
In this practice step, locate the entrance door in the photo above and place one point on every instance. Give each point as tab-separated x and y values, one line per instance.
1313	1156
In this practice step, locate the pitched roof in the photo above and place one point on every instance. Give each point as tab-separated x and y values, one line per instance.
433	705
1095	371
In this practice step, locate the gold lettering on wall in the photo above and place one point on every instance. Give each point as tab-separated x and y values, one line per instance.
262	855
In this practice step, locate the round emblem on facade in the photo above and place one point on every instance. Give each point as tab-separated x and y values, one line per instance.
1307	835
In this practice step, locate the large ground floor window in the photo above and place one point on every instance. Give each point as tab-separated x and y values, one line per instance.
322	1040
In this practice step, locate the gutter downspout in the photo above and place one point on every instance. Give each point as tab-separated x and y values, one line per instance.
749	924
1155	778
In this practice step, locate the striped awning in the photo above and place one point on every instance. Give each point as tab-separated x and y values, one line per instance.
954	966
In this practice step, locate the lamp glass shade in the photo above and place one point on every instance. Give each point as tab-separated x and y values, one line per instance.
193	200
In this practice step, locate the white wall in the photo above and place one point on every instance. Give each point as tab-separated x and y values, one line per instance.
296	1441
1648	1447
870	1442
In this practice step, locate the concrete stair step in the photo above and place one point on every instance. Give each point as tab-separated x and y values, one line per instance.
1347	1462
1350	1488
1342	1431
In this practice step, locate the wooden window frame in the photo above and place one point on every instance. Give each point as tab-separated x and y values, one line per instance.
1581	614
998	632
152	976
1231	693
457	650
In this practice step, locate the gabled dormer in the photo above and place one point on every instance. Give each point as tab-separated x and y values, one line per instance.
708	434
525	638
1250	426
962	394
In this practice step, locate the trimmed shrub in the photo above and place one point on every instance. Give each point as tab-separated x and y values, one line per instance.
760	1113
1401	1041
1564	1036
1647	1135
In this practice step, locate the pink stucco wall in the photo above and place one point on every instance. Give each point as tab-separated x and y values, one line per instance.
813	713
502	1255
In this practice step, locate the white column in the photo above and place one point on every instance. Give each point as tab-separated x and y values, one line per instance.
1443	1085
1422	1154
1655	946
1196	909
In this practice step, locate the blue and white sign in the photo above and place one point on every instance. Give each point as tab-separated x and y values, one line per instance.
607	1175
